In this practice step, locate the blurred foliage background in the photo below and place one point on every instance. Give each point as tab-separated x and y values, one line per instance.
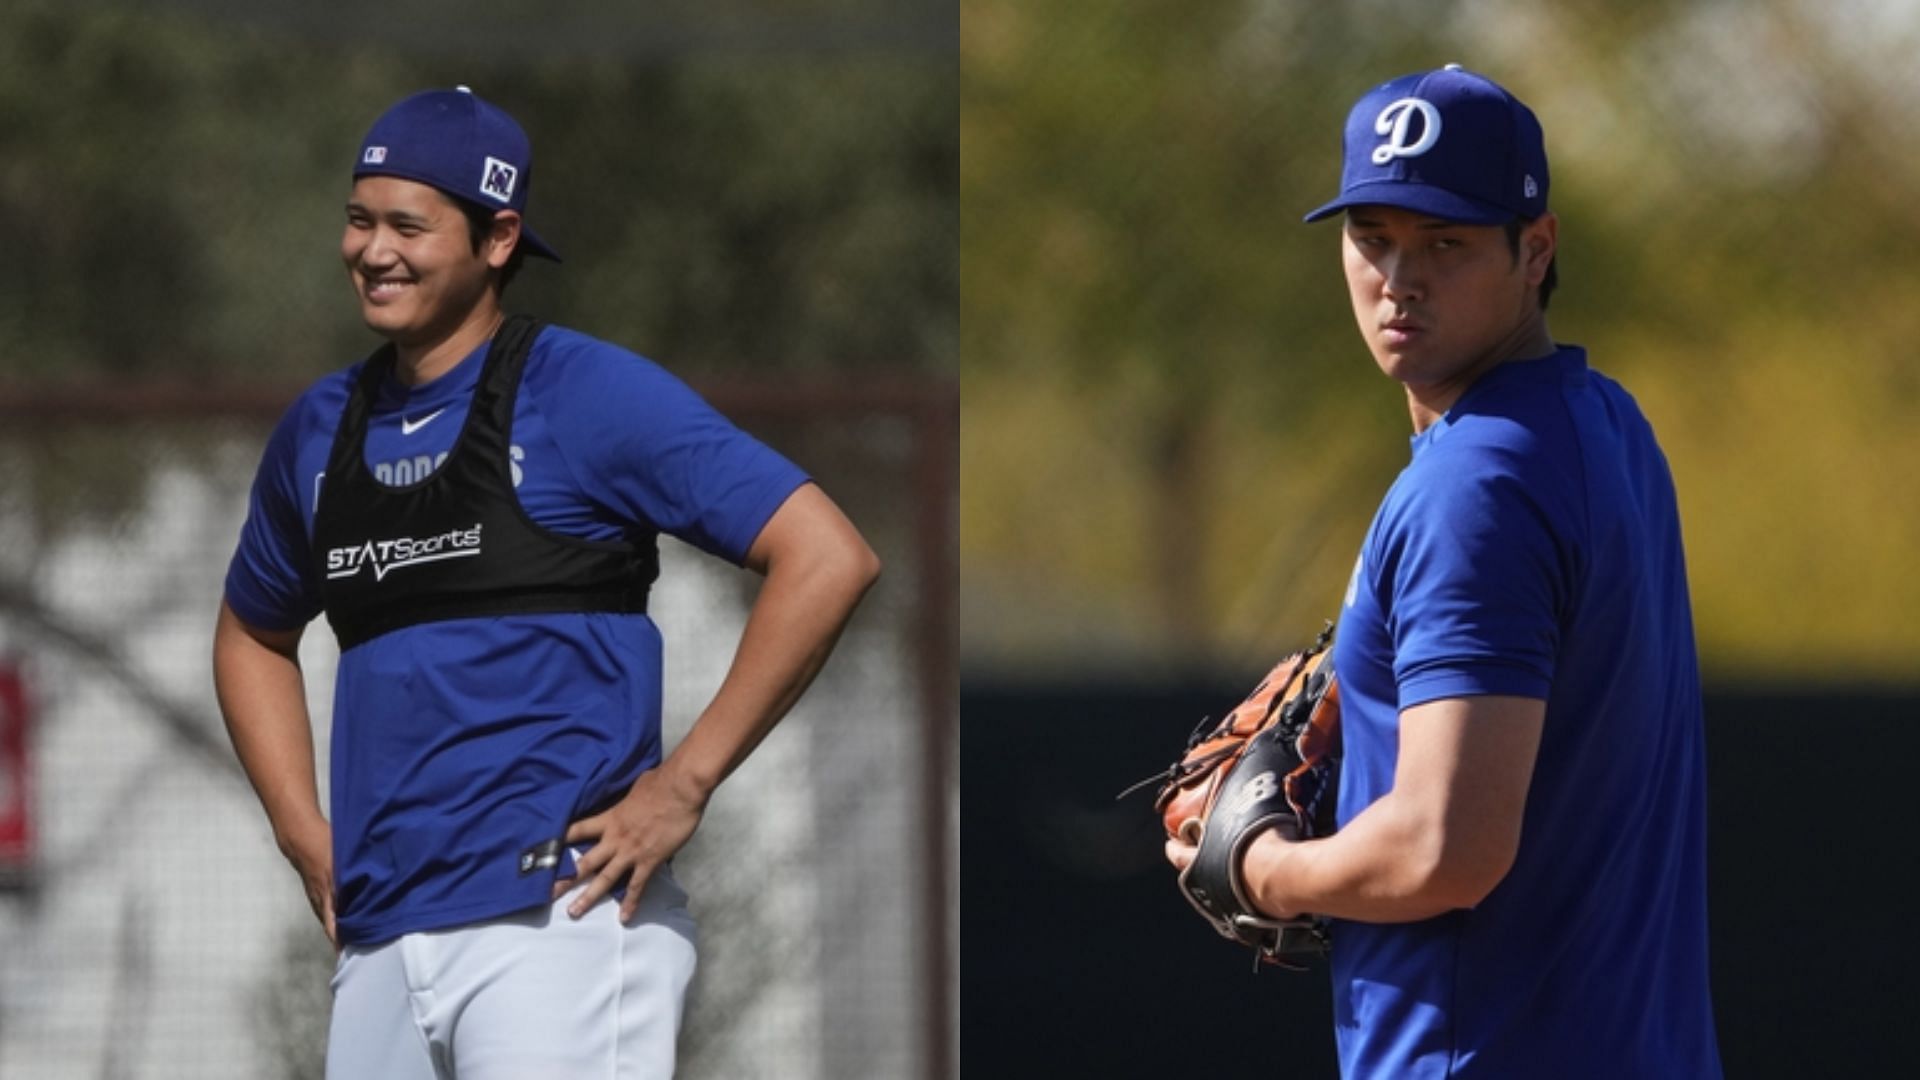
1174	438
732	187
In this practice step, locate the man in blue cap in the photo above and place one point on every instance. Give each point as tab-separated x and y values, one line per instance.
1518	884
475	509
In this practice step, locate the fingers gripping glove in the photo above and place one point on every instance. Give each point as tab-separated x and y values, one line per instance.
1272	763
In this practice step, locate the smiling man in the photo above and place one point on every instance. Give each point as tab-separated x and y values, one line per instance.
1518	885
475	509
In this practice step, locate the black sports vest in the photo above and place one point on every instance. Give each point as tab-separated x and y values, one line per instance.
457	543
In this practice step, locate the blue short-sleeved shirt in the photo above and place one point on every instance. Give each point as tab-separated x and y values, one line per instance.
1532	548
458	745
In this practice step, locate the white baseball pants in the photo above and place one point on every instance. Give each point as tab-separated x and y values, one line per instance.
531	996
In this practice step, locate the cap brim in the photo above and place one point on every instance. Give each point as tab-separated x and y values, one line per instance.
1419	198
534	245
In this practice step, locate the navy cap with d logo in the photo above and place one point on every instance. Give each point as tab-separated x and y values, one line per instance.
1447	143
464	146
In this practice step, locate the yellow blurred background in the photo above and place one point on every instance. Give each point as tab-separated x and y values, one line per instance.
1173	438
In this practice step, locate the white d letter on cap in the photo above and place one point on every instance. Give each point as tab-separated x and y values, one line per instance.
1393	123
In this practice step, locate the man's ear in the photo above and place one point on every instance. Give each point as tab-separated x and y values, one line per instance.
503	236
1538	243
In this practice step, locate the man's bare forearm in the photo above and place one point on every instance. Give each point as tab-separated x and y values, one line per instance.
1442	838
257	677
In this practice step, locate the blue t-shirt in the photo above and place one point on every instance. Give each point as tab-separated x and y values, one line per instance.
460	745
1532	548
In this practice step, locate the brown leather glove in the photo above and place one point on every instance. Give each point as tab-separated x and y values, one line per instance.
1272	763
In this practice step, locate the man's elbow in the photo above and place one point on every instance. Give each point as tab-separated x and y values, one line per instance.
1446	868
859	567
1466	873
838	570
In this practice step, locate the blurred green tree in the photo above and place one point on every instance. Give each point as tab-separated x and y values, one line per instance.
172	182
734	191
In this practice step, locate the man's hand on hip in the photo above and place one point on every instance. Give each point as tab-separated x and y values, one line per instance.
631	839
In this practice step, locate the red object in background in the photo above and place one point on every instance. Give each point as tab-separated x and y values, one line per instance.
16	789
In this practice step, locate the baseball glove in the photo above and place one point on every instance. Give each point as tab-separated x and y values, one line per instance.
1272	763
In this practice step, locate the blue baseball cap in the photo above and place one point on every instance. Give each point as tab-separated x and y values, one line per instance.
466	147
1448	143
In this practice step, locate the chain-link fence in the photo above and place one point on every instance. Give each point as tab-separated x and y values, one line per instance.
158	933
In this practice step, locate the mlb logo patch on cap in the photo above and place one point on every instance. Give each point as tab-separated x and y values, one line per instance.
375	155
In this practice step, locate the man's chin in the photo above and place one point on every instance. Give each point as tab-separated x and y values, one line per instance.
1400	365
384	320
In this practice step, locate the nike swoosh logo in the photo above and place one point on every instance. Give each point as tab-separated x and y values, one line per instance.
408	427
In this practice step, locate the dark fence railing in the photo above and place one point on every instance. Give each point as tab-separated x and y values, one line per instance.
1081	959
